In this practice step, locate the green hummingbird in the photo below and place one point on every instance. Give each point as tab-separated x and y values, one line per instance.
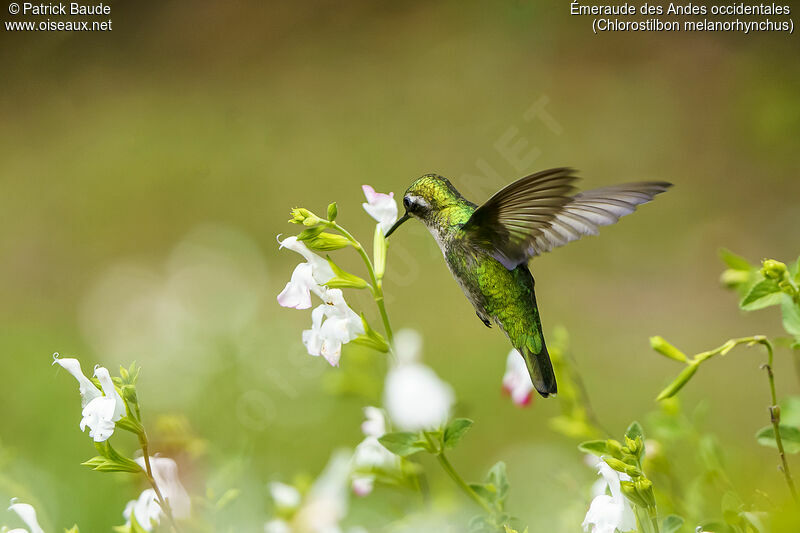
487	248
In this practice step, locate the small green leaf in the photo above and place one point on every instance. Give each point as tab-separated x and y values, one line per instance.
790	410
595	447
763	294
73	529
682	379
403	443
790	438
791	316
344	280
455	431
499	478
634	430
671	524
371	338
736	262
333	210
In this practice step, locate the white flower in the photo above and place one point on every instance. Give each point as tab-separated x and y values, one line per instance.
87	389
285	496
414	395
325	504
165	472
277	526
145	509
341	325
609	513
408	346
370	453
381	207
27	514
100	409
307	277
517	381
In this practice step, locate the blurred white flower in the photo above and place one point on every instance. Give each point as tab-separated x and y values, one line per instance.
146	510
307	277
408	346
165	472
285	496
517	381
27	514
414	396
277	526
325	505
381	207
100	409
370	454
341	325
609	513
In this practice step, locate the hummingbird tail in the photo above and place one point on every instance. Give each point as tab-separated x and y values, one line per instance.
541	370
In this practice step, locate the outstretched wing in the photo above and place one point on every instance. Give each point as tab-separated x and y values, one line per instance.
540	212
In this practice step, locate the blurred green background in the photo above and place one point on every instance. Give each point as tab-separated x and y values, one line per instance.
146	172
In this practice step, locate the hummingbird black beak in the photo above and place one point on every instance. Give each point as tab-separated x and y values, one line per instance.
397	224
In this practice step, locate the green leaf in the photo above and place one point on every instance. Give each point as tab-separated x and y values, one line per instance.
499	478
371	338
736	262
73	529
634	430
790	438
790	410
595	447
455	431
794	270
791	316
671	524
403	443
344	280
763	294
682	379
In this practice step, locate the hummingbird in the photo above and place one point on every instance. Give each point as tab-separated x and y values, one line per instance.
487	248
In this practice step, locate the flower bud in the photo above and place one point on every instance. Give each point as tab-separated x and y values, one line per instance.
644	487
666	349
325	242
733	278
333	210
682	379
619	466
772	269
630	492
614	448
303	216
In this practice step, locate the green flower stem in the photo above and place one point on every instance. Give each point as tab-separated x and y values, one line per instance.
440	456
775	418
461	483
377	284
162	502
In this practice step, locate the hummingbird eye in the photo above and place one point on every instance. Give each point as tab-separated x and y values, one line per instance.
407	203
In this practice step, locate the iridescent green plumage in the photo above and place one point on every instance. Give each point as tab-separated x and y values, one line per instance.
487	248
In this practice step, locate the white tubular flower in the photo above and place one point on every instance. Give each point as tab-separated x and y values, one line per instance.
165	472
27	514
517	381
101	414
87	389
414	396
145	509
381	207
408	346
285	496
341	325
307	277
609	513
370	453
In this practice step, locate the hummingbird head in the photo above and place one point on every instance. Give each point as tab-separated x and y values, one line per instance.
426	198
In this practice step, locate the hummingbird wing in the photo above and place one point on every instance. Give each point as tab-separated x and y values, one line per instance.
542	211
